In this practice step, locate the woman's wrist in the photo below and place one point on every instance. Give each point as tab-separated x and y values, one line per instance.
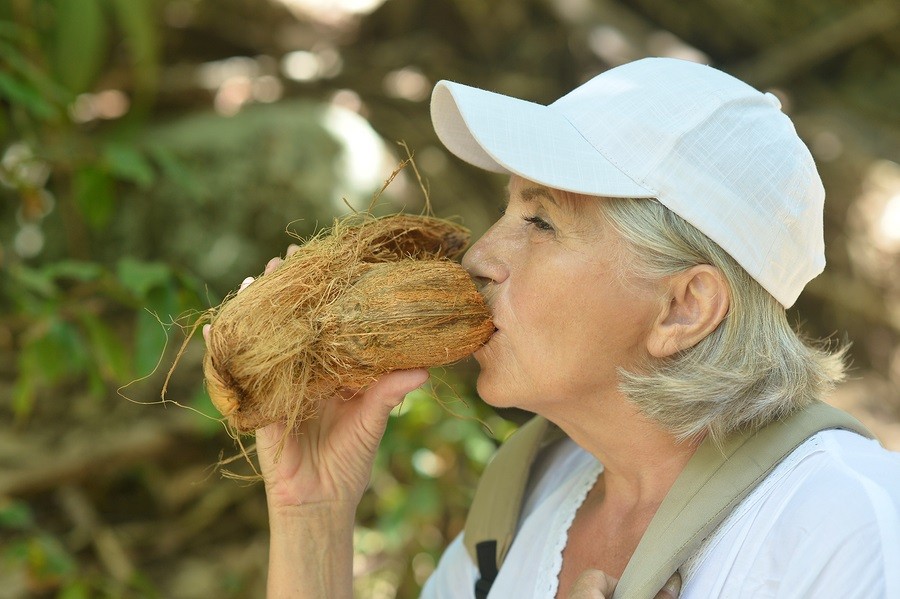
320	512
311	550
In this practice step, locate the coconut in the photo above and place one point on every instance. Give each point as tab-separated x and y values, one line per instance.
369	296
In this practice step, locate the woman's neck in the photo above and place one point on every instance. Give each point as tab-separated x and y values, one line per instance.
640	460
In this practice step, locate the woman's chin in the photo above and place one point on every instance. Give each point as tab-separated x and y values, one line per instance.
494	393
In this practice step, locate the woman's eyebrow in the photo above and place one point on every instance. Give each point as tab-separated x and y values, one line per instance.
530	194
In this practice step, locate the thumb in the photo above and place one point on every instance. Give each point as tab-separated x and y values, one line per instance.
593	584
671	589
390	389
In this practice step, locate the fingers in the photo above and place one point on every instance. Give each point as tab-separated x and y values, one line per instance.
593	584
671	589
272	265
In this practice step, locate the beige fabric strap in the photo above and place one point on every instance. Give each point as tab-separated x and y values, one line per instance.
498	498
714	481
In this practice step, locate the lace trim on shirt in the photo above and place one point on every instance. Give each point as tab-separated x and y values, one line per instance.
549	577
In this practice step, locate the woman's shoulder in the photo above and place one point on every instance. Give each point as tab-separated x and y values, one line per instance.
835	480
831	507
847	467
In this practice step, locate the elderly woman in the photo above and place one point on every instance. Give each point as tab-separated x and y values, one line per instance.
660	219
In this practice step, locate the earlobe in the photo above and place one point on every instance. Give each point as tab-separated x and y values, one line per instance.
698	300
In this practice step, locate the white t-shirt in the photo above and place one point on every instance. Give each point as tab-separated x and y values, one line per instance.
824	523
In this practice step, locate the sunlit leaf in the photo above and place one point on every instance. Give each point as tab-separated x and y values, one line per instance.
81	39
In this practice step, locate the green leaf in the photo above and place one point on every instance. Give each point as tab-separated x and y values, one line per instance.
47	87
75	590
81	39
163	301
110	356
127	163
10	30
201	402
142	277
37	281
24	95
48	560
75	270
149	342
173	169
94	196
15	515
55	355
24	395
139	22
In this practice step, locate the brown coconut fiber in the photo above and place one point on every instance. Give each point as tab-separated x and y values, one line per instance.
369	296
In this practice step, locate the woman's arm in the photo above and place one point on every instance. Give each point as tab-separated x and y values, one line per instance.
311	552
315	477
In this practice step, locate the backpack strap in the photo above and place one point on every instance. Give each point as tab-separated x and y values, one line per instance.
492	519
713	482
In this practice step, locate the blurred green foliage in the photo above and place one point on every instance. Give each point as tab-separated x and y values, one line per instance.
78	319
153	153
116	230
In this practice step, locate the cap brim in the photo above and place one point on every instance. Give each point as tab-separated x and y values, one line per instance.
507	135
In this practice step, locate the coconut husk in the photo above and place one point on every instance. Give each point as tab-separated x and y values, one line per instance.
354	303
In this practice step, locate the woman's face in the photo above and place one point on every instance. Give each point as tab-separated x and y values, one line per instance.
567	311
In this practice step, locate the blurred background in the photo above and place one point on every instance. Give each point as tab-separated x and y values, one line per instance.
153	153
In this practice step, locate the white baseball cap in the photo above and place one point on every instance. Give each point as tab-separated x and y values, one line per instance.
711	148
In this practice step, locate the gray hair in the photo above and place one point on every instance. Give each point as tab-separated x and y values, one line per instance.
753	369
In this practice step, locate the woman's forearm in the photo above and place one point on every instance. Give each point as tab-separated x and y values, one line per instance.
311	552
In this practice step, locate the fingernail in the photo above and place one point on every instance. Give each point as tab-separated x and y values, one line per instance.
673	585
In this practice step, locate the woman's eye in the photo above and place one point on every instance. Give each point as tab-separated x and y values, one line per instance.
539	223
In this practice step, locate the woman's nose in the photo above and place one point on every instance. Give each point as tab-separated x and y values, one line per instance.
484	260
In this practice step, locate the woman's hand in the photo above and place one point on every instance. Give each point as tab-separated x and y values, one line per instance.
329	459
596	584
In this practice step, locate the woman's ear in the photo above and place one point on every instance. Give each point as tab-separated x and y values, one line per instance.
698	300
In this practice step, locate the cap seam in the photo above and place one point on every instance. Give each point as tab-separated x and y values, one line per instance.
607	158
